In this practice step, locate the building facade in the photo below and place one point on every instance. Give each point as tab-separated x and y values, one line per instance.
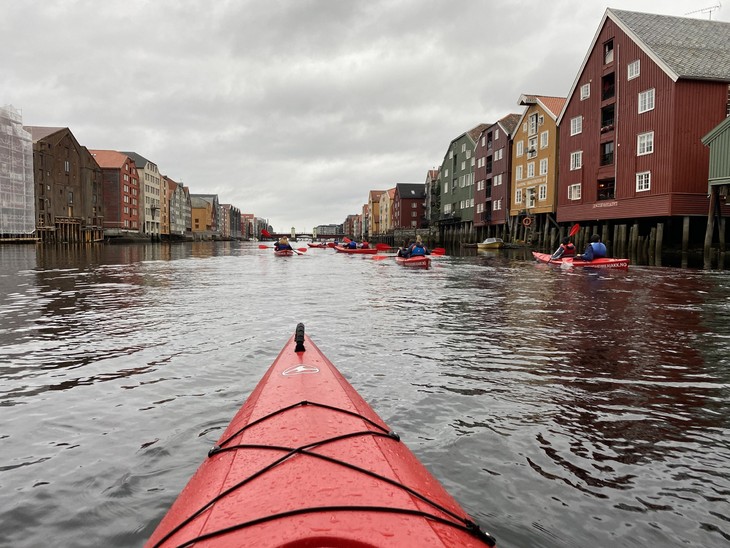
535	166
630	132
493	177
17	195
68	188
120	192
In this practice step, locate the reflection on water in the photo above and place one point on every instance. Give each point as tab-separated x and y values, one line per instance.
561	407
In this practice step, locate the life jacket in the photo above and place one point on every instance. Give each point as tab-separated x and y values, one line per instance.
418	250
599	250
568	250
352	244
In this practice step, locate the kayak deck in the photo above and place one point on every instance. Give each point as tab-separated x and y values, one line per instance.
307	462
595	263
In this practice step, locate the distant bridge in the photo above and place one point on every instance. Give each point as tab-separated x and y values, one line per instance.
301	235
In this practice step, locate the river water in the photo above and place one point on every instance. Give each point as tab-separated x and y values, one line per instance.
561	407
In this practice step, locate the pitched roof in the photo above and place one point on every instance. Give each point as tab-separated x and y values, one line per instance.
411	190
715	132
475	132
509	122
41	132
695	49
139	160
692	49
109	158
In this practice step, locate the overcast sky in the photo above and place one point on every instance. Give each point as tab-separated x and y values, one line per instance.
292	110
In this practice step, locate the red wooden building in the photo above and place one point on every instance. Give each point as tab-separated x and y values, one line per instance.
650	87
409	206
120	194
492	178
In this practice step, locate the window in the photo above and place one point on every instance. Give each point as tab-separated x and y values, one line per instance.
606	156
646	101
531	169
496	134
574	192
497	180
463	165
67	166
463	147
576	125
518	196
576	160
532	147
484	141
520	148
496	205
542	193
643	181
446	187
544	136
531	197
533	124
543	166
518	175
608	52
446	172
585	92
633	70
468	154
645	143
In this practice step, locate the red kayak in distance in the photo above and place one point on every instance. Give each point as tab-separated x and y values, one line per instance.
420	261
306	462
356	251
317	245
595	263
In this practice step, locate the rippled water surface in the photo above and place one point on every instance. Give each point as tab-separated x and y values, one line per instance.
562	408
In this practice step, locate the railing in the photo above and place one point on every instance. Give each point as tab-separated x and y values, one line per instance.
607	159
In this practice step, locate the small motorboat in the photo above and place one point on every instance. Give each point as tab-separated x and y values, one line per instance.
491	243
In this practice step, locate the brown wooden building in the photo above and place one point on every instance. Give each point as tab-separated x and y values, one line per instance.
493	178
68	188
409	206
631	158
120	192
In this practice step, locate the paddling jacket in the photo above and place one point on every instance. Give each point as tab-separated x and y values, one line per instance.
352	245
595	250
564	251
281	247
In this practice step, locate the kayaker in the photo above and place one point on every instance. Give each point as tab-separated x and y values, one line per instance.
282	244
595	249
352	244
417	249
365	245
566	249
403	250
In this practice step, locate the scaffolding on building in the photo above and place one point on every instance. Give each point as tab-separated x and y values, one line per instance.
17	205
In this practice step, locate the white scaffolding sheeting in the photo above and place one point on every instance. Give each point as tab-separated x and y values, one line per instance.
17	206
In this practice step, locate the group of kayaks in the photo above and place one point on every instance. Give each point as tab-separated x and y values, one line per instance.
306	462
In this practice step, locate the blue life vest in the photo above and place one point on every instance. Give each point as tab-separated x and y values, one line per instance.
599	250
418	250
352	245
